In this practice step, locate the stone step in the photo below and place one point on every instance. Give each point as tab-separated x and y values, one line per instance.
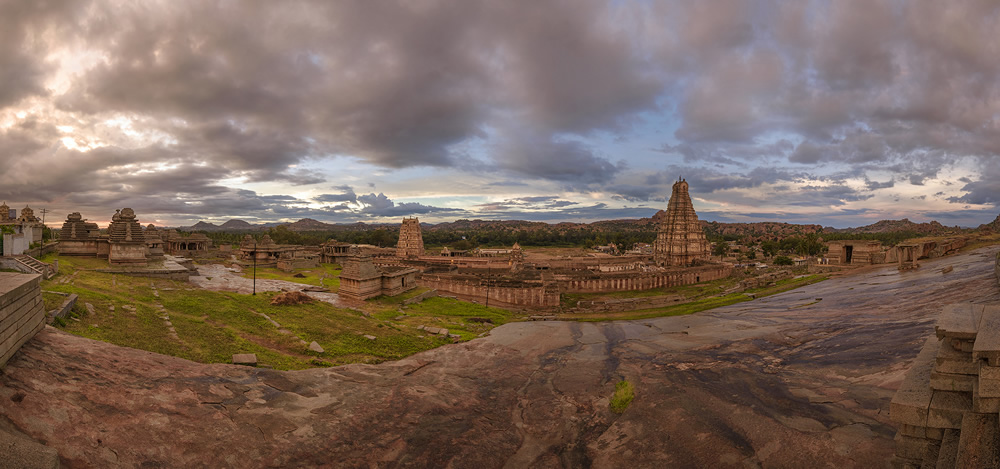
987	345
957	321
977	445
949	449
953	361
911	402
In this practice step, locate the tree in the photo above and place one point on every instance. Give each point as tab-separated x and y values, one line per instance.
783	260
721	249
809	245
770	248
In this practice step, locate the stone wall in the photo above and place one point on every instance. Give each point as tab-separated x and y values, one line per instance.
642	280
15	244
421	297
22	313
529	294
288	265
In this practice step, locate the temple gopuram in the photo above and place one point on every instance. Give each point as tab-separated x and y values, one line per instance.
681	240
411	240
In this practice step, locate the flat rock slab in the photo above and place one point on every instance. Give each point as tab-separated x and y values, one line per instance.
713	389
316	347
249	359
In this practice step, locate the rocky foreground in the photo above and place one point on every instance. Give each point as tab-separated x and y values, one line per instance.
801	379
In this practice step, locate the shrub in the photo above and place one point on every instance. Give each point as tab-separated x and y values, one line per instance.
620	400
783	260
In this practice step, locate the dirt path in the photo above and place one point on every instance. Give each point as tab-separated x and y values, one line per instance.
799	379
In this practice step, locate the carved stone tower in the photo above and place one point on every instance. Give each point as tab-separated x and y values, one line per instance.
411	240
127	240
680	240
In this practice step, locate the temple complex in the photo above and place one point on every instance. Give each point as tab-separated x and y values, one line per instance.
681	240
411	240
362	279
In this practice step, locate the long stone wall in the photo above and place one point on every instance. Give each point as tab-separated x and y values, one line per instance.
543	293
643	280
527	294
22	313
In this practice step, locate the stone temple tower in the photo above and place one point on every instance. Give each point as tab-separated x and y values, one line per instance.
680	240
411	240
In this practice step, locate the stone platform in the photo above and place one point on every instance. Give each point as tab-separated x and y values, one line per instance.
170	268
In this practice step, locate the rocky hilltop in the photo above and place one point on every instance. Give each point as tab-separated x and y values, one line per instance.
993	225
891	226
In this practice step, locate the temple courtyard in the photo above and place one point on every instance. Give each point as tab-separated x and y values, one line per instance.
799	379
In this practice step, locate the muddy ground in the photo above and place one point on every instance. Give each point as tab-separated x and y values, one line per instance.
800	379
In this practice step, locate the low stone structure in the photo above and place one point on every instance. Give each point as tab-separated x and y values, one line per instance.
947	406
411	239
681	240
192	245
22	313
855	252
362	279
268	253
498	291
333	252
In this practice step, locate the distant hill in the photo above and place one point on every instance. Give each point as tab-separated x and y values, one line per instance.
892	226
202	226
308	224
236	225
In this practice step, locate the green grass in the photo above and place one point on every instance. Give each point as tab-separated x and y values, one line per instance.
212	326
620	400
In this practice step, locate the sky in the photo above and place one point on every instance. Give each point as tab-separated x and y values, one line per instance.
839	113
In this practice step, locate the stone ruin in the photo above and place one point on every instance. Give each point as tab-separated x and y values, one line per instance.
681	240
411	239
127	239
948	405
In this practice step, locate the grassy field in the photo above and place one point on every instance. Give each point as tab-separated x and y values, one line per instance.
212	326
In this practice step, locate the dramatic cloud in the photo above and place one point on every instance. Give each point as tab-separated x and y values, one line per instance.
179	107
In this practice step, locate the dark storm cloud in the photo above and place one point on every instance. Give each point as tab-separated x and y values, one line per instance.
567	161
382	206
985	190
346	195
705	180
222	90
589	212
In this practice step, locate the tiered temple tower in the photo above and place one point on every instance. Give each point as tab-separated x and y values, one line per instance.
128	242
680	240
411	240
